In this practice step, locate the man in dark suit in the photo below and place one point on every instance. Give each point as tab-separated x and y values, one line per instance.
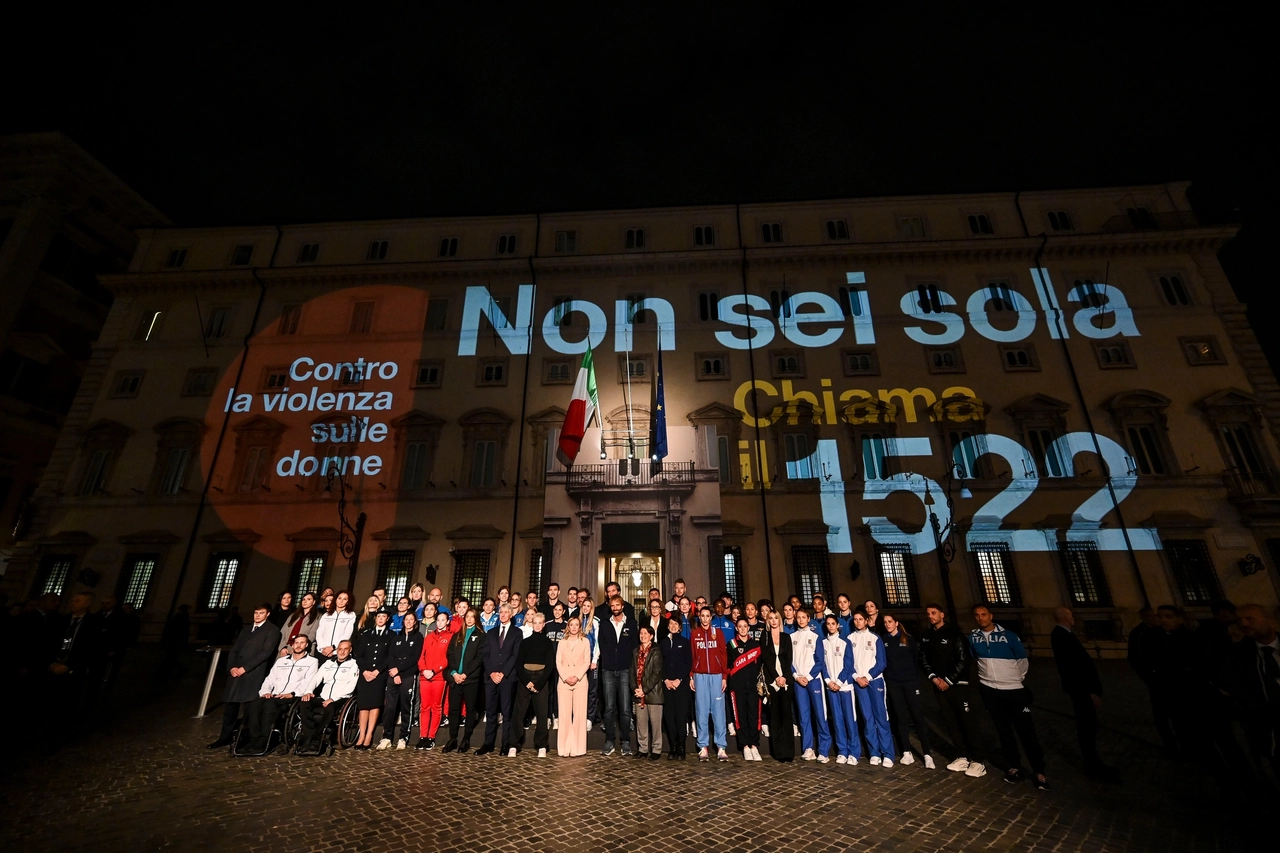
250	659
1255	680
69	686
618	638
501	647
1079	676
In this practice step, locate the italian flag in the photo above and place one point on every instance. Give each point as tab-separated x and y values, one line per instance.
582	408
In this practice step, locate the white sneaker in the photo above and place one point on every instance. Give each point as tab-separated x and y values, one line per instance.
975	770
401	744
542	753
588	725
875	761
755	754
888	762
385	743
553	723
721	754
511	753
732	731
928	763
795	730
840	759
908	758
822	759
765	729
852	761
808	755
959	765
703	755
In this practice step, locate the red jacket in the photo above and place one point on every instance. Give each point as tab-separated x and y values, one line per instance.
435	653
709	654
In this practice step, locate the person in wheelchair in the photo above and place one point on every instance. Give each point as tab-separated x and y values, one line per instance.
332	684
288	679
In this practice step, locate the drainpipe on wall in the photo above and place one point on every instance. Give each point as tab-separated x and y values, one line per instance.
222	432
751	360
1088	419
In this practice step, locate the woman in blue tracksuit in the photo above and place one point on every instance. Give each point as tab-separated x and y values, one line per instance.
868	687
837	654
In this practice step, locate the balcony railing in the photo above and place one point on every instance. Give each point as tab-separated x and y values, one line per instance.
1248	484
621	474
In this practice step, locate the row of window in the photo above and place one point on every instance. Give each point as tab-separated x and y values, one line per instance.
930	300
909	227
996	583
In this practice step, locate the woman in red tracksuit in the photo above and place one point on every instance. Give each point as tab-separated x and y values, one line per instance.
431	666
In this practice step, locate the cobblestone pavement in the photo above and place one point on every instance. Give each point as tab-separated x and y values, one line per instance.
143	780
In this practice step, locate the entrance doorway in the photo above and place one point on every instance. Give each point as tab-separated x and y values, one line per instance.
636	573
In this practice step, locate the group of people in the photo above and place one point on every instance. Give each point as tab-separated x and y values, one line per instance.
850	683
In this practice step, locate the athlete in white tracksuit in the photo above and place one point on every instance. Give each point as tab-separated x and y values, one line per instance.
868	679
837	656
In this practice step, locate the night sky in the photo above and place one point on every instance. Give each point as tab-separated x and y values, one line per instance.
250	115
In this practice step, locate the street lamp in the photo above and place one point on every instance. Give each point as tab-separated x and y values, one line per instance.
943	546
349	535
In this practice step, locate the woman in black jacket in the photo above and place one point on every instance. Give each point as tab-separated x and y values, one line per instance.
902	678
402	682
744	669
464	676
373	656
775	663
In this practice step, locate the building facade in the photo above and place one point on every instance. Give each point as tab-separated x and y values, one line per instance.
1064	381
64	220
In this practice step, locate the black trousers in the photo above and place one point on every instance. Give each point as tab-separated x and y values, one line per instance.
540	703
230	714
958	711
1086	728
782	725
315	719
906	704
466	693
498	699
1010	711
746	716
399	706
261	716
675	717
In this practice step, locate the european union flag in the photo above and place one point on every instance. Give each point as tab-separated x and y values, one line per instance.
658	417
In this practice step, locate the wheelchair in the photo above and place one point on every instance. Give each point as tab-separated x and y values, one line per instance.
283	732
342	732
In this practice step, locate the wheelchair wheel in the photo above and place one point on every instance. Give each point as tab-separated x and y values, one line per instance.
349	724
292	726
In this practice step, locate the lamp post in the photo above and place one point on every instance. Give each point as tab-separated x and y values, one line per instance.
943	545
349	535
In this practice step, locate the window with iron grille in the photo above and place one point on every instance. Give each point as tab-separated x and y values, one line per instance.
812	569
470	574
540	568
730	574
55	572
897	576
1082	568
1193	571
996	579
135	579
394	570
308	573
220	580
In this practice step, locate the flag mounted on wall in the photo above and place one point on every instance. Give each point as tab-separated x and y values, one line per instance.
658	417
582	408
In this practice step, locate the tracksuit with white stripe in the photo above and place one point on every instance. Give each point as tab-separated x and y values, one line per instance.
869	662
837	655
807	660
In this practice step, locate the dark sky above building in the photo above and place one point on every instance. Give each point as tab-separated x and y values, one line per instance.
262	114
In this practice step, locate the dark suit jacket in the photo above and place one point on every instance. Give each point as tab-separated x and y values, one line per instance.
677	658
615	652
1076	669
255	651
502	658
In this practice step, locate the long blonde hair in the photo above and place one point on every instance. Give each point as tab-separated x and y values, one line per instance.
588	623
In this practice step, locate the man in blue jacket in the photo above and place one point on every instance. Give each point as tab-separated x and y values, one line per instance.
619	637
1002	667
501	648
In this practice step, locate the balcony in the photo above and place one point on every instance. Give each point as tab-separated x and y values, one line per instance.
622	476
1253	494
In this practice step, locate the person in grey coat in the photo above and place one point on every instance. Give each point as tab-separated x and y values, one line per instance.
251	657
